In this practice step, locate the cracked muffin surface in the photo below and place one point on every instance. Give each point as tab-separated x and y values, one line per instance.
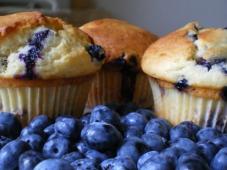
192	53
36	46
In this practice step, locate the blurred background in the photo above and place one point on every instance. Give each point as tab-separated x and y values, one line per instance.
158	16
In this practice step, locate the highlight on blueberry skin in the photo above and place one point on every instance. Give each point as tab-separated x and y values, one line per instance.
29	159
119	163
54	164
10	153
219	162
101	136
192	161
56	148
85	163
106	140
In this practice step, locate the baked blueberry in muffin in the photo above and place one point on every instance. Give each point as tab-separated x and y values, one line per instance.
45	66
188	75
181	84
120	79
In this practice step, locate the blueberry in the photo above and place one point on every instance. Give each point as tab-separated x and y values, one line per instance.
29	159
82	147
181	131
158	126
220	141
49	130
190	126
207	134
96	155
157	163
96	52
56	148
10	153
181	84
204	63
85	118
146	157
4	140
68	127
38	37
39	123
54	164
84	164
191	161
146	113
28	131
101	136
133	132
185	145
219	162
35	141
56	135
155	142
102	113
9	125
121	163
207	149
172	154
72	156
192	36
134	119
133	148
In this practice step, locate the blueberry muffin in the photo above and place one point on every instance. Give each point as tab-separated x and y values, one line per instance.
188	75
121	79
45	65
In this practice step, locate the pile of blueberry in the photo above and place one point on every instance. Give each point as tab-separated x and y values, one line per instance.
109	138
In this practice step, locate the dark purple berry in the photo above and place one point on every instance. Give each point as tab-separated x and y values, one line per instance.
96	52
224	93
181	84
33	54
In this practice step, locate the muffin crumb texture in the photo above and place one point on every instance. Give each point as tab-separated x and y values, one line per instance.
198	54
44	47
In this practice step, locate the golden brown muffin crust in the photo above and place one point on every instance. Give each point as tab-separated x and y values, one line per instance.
196	54
119	38
16	83
63	54
15	22
195	91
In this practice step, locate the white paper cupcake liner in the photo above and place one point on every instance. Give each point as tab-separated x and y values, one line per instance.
27	102
177	106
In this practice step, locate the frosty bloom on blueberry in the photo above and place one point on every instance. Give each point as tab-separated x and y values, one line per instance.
145	142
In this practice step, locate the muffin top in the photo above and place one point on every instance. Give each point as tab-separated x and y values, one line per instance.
36	46
119	39
194	55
